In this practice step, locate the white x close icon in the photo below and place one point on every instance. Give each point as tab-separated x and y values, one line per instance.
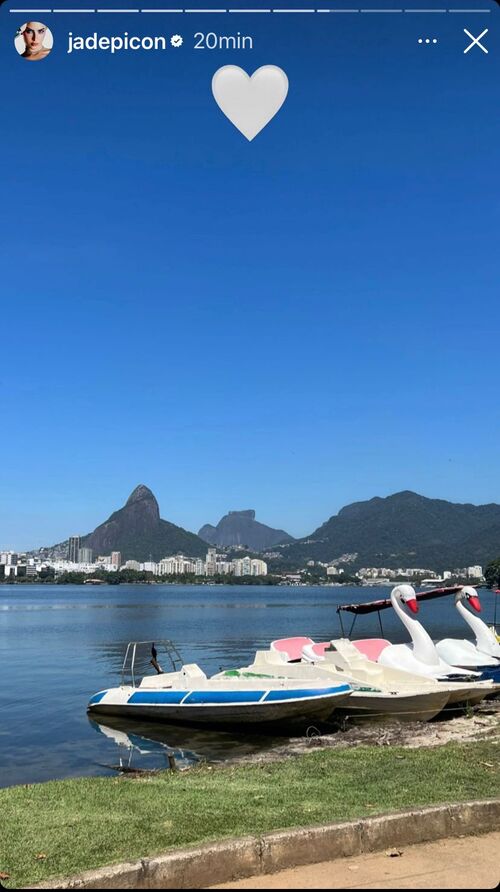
475	41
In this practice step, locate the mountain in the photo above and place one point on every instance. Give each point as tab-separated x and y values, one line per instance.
139	533
404	530
241	528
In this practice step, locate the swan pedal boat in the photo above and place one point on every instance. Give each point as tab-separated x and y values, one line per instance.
420	658
188	696
484	655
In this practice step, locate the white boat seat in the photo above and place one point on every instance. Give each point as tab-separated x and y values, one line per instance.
192	670
170	679
265	658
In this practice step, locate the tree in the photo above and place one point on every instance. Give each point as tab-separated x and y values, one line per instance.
492	573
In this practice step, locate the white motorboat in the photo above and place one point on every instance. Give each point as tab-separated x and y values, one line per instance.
188	696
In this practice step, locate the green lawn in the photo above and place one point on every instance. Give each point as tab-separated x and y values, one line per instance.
63	827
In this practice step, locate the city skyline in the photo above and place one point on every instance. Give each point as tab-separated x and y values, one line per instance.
16	567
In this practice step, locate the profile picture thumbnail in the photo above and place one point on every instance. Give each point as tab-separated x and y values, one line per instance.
34	41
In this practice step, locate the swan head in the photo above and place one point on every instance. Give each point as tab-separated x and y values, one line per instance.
469	594
406	595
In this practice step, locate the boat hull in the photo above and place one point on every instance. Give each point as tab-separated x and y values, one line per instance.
269	707
395	707
469	696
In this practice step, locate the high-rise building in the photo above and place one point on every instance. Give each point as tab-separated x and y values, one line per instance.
116	559
199	567
85	555
132	565
249	567
150	567
176	564
211	562
475	572
73	549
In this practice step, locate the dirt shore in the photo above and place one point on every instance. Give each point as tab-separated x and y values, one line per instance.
476	723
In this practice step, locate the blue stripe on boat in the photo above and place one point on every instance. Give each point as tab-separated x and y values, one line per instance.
155	698
212	697
303	694
488	673
97	697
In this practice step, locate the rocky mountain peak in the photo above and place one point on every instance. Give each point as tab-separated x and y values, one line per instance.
140	493
240	528
138	532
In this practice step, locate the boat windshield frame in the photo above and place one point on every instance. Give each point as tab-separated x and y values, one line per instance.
164	646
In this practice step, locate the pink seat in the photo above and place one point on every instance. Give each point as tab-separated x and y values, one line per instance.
291	647
371	647
319	649
314	652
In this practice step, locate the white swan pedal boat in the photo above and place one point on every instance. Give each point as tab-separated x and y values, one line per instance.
484	655
187	696
421	656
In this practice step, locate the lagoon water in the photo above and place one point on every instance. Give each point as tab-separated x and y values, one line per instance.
60	644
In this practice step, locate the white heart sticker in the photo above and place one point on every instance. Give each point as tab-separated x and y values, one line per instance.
250	102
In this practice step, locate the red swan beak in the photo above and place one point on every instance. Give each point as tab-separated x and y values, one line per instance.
474	602
412	604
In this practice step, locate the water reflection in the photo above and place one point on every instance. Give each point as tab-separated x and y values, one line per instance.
144	748
189	745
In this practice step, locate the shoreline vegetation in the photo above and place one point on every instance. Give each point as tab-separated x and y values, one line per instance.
140	577
61	828
145	577
128	576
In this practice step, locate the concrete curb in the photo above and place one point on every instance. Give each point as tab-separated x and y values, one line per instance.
222	862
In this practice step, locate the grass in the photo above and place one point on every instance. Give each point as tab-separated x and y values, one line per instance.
64	827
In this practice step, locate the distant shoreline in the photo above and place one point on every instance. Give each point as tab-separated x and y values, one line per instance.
53	584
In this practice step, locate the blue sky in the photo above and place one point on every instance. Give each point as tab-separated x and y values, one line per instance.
289	324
